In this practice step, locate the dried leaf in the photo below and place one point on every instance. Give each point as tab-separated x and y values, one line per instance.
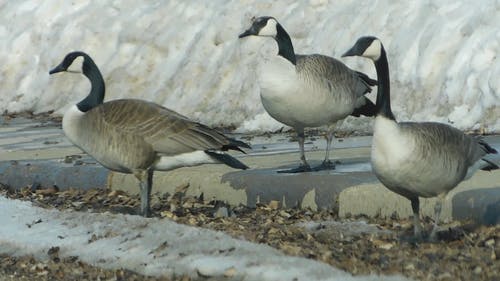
231	272
274	204
182	188
48	191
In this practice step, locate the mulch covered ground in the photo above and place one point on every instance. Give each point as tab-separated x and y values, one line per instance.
464	252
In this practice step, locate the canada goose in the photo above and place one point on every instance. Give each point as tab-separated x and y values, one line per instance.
413	159
308	90
139	137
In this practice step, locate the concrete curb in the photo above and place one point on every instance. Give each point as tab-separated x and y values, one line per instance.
33	153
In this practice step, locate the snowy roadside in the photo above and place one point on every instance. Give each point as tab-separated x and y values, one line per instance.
157	247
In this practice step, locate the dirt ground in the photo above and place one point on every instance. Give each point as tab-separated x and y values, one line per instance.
464	251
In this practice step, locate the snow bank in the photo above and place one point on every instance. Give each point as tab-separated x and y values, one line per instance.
186	54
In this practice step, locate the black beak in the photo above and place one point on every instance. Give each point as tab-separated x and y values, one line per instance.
352	52
355	50
247	32
253	30
57	69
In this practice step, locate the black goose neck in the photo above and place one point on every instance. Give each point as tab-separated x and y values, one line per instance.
285	44
96	95
383	105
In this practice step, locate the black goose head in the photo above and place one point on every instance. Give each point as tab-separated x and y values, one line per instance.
68	61
269	27
371	47
262	26
368	47
91	71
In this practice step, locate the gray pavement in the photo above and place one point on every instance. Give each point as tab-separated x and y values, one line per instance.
35	152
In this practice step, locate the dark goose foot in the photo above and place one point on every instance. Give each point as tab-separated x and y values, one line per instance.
326	165
299	169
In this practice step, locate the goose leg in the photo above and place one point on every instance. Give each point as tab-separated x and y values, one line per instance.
417	228
145	183
302	151
327	163
304	166
437	214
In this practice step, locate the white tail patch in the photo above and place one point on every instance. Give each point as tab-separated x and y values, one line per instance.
480	164
189	159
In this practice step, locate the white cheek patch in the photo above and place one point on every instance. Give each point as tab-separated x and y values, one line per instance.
374	50
76	65
269	29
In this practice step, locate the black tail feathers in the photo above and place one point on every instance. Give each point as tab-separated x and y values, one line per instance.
490	167
226	159
367	79
235	145
487	148
367	109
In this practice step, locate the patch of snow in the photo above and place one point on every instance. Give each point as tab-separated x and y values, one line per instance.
157	247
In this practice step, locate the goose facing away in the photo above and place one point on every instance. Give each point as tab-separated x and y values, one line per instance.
308	90
139	137
413	159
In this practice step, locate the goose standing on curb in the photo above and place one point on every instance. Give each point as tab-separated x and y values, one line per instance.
138	137
413	159
308	90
